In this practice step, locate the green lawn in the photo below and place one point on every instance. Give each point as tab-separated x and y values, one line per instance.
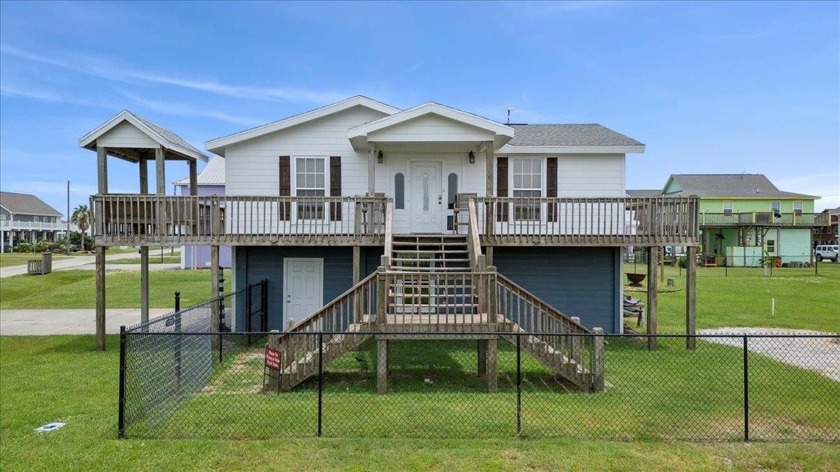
153	259
60	378
742	297
20	258
77	289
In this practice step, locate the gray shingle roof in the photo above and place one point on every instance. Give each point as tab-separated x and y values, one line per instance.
213	173
164	133
731	185
569	135
25	204
643	193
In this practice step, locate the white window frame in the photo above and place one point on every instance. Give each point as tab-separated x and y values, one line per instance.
797	207
728	211
531	212
304	210
776	207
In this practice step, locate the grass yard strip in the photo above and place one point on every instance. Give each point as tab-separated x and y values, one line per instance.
153	259
743	298
77	289
61	378
20	258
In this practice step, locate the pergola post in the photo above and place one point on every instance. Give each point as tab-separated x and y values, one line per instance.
691	298
102	189
144	250
653	256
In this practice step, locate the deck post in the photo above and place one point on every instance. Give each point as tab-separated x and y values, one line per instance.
492	365
691	298
598	359
215	275
381	366
357	256
381	295
100	298
653	256
482	357
102	174
144	250
574	344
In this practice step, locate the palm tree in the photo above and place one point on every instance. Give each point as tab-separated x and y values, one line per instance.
81	218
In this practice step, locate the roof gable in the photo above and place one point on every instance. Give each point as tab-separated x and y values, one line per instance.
156	133
218	145
500	133
212	174
756	186
26	204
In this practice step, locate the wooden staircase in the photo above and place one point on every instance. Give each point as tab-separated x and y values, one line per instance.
435	283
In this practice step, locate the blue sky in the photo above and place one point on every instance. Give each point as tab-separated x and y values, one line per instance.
718	87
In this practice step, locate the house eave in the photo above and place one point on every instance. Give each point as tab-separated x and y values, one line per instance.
510	149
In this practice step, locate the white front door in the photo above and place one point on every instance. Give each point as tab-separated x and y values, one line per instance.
303	287
426	215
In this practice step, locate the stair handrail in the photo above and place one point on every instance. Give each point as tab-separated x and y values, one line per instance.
574	327
473	236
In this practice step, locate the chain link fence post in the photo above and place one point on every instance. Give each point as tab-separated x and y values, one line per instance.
746	392
121	410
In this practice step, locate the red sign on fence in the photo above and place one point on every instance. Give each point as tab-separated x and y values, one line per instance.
272	359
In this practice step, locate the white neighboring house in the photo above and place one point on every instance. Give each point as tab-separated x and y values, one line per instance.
27	218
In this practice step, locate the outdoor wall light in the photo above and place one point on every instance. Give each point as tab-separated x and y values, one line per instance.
380	158
472	158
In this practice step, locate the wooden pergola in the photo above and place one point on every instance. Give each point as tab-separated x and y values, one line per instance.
134	139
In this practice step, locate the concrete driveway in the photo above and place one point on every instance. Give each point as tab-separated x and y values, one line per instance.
71	321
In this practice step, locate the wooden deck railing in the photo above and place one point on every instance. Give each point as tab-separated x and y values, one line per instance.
764	218
153	219
588	221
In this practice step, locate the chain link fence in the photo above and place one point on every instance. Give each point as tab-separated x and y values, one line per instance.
166	361
729	388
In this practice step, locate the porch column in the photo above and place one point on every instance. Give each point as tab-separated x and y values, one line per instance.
653	256
102	189
144	250
193	177
357	264
371	170
691	297
489	166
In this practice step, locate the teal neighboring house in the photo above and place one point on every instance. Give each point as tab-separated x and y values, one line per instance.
744	217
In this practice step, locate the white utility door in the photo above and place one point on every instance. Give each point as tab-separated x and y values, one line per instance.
426	196
303	287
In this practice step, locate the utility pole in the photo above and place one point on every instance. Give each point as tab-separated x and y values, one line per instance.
67	233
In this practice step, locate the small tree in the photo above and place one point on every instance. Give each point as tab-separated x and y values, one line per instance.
81	218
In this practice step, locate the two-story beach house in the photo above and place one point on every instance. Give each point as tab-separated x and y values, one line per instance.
25	217
744	219
367	218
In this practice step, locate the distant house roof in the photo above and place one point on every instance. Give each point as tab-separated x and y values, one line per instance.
213	173
158	133
644	193
727	185
25	204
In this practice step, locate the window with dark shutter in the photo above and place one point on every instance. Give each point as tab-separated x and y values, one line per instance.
551	186
502	187
285	187
335	187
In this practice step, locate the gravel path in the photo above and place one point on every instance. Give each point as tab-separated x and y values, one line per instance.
818	354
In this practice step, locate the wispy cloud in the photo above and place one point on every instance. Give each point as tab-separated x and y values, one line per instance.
44	95
115	70
177	109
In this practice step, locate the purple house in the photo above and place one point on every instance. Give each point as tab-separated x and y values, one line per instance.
211	181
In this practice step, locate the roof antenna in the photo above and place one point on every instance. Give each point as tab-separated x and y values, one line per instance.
510	109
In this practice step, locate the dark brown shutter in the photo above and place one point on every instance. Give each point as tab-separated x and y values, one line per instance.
285	187
502	187
335	187
551	186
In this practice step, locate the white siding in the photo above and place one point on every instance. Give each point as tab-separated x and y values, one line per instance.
253	168
586	175
125	135
433	128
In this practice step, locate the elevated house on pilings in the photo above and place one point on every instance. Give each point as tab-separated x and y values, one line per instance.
371	221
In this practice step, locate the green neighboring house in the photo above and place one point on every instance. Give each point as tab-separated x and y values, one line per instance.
744	217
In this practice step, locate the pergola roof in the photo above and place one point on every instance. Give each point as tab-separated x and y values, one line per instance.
175	146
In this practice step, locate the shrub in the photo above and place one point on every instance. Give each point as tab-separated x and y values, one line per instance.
24	247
